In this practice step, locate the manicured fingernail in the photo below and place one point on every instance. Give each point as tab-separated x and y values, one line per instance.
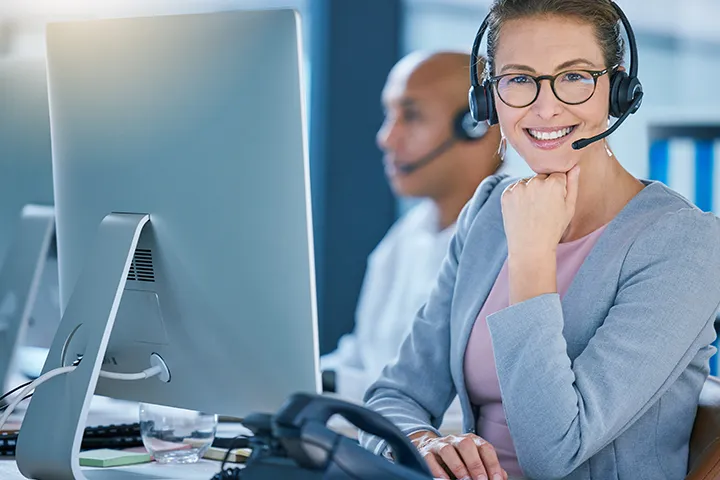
482	477
497	476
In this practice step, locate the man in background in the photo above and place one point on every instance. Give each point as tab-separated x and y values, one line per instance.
433	152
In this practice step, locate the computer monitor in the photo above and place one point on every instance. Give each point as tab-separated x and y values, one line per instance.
29	299
183	220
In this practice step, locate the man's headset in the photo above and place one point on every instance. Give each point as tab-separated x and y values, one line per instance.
464	129
626	91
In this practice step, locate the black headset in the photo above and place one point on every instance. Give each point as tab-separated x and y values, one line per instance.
626	91
464	129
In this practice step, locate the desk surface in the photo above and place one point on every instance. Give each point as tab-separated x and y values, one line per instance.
106	411
203	470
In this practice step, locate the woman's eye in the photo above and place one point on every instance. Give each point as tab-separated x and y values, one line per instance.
519	79
573	77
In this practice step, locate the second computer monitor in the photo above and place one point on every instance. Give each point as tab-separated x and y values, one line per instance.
25	161
29	299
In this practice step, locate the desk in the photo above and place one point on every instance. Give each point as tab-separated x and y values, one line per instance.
105	411
203	470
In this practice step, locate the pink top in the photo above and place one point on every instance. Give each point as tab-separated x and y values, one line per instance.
480	372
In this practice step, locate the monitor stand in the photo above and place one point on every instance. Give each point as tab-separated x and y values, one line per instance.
59	407
20	279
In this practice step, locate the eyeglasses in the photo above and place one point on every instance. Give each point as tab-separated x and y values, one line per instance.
572	87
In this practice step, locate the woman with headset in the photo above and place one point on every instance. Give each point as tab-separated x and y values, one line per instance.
573	314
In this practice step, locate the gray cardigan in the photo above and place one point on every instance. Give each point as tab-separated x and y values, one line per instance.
603	385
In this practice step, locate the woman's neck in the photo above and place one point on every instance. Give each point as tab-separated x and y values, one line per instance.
605	188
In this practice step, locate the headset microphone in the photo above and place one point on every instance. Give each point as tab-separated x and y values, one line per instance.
584	142
408	168
464	129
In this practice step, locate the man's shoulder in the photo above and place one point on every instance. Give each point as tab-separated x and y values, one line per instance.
415	219
421	215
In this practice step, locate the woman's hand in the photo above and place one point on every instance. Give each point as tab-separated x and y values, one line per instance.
466	456
536	214
537	211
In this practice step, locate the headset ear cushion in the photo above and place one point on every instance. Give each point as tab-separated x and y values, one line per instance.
466	128
482	103
630	90
478	103
619	83
623	91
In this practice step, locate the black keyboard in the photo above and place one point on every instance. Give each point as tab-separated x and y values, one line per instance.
104	436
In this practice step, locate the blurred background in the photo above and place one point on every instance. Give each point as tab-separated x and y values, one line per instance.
350	46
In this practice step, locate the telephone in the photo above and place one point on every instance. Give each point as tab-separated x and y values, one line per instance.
296	443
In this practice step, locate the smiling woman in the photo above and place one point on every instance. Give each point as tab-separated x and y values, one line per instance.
541	122
574	311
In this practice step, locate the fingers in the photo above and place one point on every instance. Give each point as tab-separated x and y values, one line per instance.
513	186
464	457
468	449
491	462
560	179
452	460
436	469
521	182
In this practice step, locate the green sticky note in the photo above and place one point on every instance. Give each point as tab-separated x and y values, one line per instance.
111	458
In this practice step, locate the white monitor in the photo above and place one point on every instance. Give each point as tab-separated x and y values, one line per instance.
183	220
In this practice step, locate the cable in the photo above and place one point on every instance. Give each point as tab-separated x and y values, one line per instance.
236	440
3	397
29	387
147	373
232	473
14	390
236	473
4	407
41	379
156	369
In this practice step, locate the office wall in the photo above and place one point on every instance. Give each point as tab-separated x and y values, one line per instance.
353	205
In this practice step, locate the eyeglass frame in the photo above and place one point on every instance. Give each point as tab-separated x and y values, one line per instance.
595	74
